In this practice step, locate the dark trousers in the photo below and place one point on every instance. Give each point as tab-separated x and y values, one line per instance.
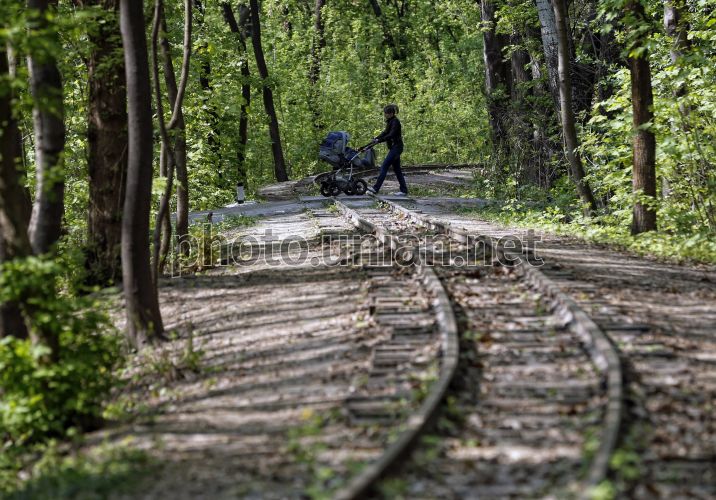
393	159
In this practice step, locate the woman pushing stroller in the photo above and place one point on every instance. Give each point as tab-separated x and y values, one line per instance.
393	136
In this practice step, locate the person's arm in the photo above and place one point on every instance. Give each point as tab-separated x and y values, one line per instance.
390	132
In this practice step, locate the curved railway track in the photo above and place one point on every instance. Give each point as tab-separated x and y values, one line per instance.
549	381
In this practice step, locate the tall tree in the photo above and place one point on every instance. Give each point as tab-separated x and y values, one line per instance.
388	39
107	144
144	321
14	211
274	132
521	91
314	70
318	43
550	45
497	76
644	148
202	50
569	128
179	146
241	29
48	119
676	27
678	30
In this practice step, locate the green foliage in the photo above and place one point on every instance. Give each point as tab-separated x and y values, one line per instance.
305	445
46	394
111	470
438	85
606	229
236	221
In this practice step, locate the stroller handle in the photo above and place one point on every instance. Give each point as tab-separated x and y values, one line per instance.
359	151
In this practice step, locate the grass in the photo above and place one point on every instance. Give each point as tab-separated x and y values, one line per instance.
675	248
112	470
236	221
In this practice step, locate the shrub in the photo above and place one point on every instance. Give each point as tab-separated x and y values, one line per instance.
44	396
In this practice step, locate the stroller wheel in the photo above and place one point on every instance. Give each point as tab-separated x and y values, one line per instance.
326	189
349	188
360	187
335	190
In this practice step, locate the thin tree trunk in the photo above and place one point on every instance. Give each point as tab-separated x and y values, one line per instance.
318	43
314	71
167	161
14	213
276	148
213	135
585	70
166	223
644	149
241	29
180	156
107	145
550	46
497	77
678	30
48	117
388	39
545	118
521	90
679	33
144	320
567	113
13	63
177	119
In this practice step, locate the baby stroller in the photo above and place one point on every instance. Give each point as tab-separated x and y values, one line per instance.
334	150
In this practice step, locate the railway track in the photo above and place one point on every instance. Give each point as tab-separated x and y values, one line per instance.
659	317
539	382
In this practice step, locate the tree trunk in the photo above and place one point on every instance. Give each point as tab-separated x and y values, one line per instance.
314	71
521	90
107	144
585	70
213	135
15	61
177	119
679	33
550	46
144	321
545	119
279	162
676	29
241	29
566	112
318	43
165	233
180	156
48	117
14	212
644	152
497	77
388	39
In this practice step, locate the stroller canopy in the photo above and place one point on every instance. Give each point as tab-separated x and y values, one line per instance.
334	150
333	147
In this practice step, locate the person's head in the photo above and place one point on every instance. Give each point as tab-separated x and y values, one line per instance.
390	111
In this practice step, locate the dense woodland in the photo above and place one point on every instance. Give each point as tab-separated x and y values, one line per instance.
115	114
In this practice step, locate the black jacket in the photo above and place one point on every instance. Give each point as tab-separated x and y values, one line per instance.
393	133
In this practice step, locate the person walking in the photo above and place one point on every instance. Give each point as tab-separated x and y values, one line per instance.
393	136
